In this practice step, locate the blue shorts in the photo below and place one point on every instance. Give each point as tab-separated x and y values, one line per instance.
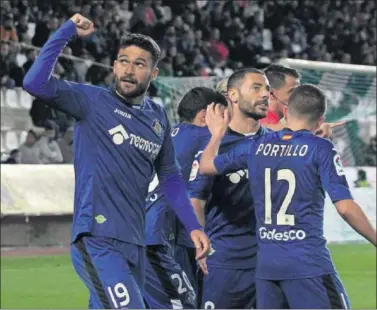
166	284
323	292
185	257
228	289
112	270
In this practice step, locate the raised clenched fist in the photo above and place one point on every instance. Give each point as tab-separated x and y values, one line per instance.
84	26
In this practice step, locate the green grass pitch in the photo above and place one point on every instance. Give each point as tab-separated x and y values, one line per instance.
50	281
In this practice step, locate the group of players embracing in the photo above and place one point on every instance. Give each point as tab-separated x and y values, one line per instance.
252	158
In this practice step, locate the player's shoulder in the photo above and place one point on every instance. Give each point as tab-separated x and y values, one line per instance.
319	142
187	129
266	134
157	108
89	89
150	103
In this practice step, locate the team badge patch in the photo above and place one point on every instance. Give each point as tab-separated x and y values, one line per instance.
194	170
157	127
338	165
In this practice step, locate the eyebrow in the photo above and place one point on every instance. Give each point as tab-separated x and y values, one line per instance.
137	59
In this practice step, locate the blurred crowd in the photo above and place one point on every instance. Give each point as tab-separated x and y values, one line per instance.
198	38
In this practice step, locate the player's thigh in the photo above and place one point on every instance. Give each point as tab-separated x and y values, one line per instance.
106	274
324	292
185	257
166	284
228	289
269	295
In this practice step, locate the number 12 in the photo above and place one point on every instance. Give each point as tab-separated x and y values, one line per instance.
282	218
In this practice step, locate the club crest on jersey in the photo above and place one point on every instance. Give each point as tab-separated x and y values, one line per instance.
194	170
286	137
338	165
157	127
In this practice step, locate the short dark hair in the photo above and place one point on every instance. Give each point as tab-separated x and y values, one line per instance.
144	42
276	74
307	101
237	77
196	100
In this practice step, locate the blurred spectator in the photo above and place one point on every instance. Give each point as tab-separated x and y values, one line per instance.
30	150
22	26
11	74
66	146
14	157
50	152
96	75
70	73
30	57
362	179
44	28
370	153
8	30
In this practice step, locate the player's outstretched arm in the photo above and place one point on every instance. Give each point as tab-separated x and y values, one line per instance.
335	183
39	80
351	212
217	119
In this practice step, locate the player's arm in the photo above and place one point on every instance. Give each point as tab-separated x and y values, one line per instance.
335	183
351	212
211	163
199	205
176	195
60	94
199	187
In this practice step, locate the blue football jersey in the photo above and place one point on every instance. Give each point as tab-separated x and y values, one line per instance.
229	212
162	225
289	172
116	150
117	147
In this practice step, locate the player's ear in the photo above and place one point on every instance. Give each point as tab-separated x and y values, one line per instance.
114	66
233	95
202	117
154	73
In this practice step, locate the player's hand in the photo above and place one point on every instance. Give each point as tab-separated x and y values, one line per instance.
84	26
325	130
201	242
203	265
217	119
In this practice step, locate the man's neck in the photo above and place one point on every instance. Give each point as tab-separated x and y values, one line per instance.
273	107
135	101
244	124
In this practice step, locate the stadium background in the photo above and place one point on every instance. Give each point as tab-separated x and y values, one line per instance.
332	45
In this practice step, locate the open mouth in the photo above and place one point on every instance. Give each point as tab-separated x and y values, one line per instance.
128	81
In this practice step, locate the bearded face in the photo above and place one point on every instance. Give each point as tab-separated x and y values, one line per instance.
253	96
133	71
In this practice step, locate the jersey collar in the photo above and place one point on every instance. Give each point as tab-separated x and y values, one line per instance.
233	132
124	101
301	130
